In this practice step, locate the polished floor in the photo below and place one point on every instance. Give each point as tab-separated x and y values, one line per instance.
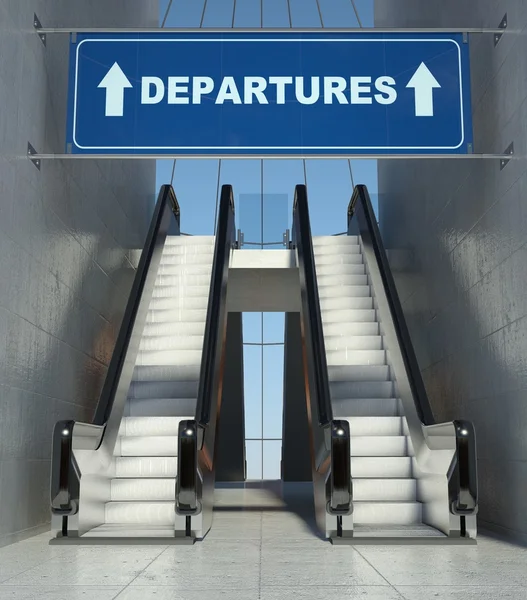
262	546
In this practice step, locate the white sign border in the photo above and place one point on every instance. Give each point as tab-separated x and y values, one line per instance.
252	148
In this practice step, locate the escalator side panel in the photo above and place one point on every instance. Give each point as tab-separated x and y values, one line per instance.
296	463
230	462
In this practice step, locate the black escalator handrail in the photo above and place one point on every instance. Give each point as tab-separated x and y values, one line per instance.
62	502
214	334
463	481
341	489
167	205
361	208
463	484
313	319
339	493
187	502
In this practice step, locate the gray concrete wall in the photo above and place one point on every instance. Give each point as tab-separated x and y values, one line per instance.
69	240
457	233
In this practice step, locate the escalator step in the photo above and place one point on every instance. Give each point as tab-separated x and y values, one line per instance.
375	426
349	357
355	330
346	390
144	489
334	240
182	302
352	342
149	406
384	445
174	315
348	316
169	358
358	373
366	407
171	373
381	466
328	305
149	466
143	446
148	426
384	489
151	513
342	270
152	343
334	283
174	390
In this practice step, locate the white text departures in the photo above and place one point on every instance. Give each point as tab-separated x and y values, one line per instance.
274	90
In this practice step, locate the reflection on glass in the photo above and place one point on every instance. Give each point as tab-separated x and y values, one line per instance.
276	217
250	218
263	224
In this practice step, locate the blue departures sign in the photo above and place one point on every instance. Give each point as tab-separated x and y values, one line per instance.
268	94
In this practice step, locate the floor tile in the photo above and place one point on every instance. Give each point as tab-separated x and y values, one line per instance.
42	538
315	563
213	565
235	526
330	593
17	558
287	527
420	592
85	567
59	592
107	552
488	564
269	550
177	593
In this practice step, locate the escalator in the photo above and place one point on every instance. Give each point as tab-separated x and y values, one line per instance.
404	477
145	468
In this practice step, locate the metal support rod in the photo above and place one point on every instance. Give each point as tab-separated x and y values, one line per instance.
276	156
355	10
167	13
205	31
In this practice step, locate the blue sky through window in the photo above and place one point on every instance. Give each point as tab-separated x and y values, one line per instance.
329	187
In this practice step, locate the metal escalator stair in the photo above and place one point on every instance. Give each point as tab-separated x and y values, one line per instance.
362	392
163	391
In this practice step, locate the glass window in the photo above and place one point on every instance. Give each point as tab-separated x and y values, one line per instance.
273	391
252	328
247	14
253	454
272	458
195	184
252	369
218	13
250	219
275	217
273	327
275	13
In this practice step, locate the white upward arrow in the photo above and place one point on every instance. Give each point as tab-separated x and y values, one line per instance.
115	83
424	84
